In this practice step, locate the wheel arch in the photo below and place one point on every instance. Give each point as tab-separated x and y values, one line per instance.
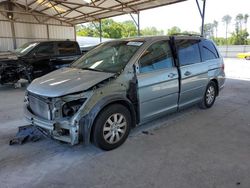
87	122
217	85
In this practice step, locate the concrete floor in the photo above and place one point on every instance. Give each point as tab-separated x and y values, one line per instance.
191	149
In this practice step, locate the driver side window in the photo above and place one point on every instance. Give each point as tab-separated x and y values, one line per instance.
157	56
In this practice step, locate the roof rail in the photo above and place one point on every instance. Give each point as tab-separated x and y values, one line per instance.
186	34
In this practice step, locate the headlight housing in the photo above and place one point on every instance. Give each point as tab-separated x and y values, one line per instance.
70	108
26	98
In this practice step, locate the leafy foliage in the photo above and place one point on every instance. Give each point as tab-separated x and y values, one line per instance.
150	31
112	29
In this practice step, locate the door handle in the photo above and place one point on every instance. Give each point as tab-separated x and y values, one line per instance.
187	73
171	75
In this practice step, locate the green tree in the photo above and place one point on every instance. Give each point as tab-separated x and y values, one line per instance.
209	30
173	30
239	38
216	24
151	31
239	19
227	20
245	20
129	29
220	41
111	29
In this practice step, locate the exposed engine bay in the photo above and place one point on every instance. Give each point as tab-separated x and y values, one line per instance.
12	71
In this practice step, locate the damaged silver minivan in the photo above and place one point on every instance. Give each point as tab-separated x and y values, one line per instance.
124	83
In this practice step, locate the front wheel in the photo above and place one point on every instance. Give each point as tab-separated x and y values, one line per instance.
209	96
247	57
112	127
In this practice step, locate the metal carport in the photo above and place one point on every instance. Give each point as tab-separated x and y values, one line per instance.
69	13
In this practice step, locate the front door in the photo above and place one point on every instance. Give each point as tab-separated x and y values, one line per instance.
158	85
41	60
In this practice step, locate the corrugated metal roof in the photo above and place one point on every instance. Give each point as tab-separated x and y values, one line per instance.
81	11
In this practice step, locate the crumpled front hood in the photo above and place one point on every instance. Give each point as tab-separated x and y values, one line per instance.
66	81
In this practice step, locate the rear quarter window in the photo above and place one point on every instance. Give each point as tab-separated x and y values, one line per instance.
208	50
68	48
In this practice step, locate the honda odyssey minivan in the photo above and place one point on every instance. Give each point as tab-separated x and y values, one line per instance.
123	83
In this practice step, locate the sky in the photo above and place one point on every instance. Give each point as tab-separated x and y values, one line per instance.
186	16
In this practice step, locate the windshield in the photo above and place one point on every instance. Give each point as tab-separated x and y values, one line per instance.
108	57
26	48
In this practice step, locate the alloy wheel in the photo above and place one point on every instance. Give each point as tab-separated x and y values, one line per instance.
114	128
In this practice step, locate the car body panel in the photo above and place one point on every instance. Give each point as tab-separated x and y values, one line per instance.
194	84
65	81
158	92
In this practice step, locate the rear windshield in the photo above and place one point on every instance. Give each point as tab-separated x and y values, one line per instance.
68	48
109	57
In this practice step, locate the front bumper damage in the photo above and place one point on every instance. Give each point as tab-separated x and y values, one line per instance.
12	71
62	130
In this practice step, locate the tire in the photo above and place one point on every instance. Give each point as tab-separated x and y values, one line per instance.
209	96
247	57
112	127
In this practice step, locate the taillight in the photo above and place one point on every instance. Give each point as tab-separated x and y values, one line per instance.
223	66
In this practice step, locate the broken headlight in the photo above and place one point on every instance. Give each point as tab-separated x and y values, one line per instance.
70	108
26	98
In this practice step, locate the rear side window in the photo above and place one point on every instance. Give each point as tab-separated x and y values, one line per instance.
45	49
208	51
157	56
67	48
188	52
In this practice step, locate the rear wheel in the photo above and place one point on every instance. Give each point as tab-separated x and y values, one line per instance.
247	57
209	96
112	127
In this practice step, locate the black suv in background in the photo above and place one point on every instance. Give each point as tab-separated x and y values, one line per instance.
35	59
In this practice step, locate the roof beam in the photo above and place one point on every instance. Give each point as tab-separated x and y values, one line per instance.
127	6
36	14
53	6
78	19
75	9
115	8
100	11
48	7
38	5
31	3
87	5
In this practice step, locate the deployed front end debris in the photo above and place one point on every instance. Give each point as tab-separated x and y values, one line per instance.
27	133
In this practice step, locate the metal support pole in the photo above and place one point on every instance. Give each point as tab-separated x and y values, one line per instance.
10	16
202	13
203	17
100	30
138	24
13	34
75	32
47	26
